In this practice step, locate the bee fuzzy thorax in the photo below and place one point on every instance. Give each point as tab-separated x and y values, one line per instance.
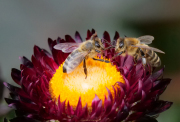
80	52
138	48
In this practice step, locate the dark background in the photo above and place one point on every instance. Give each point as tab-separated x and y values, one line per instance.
24	24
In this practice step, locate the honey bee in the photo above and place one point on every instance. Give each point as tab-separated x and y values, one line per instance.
80	52
138	48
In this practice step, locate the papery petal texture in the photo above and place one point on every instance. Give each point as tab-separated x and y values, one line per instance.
135	100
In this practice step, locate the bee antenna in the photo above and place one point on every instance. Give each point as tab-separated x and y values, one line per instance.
93	36
113	44
106	41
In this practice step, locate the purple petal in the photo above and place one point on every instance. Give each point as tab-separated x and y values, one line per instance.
16	75
95	103
107	38
134	116
161	84
122	114
127	85
37	52
93	31
154	77
84	113
140	83
11	87
98	110
78	108
78	37
69	109
51	43
143	96
26	62
116	36
159	107
88	35
69	38
107	105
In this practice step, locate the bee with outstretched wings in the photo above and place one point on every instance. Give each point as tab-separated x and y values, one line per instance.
80	52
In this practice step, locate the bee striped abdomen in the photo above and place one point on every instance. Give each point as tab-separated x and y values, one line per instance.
153	58
71	62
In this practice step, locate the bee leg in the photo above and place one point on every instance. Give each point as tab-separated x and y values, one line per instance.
143	57
85	68
108	47
117	55
135	59
93	36
106	61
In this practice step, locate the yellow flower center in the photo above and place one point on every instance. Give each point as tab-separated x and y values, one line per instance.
74	85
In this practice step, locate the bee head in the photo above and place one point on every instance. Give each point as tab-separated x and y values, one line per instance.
120	45
98	44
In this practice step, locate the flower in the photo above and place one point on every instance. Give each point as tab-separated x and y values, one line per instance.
125	92
3	93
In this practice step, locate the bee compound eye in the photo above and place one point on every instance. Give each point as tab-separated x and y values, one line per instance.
97	44
121	44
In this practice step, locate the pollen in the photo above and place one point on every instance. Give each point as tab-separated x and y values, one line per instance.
72	86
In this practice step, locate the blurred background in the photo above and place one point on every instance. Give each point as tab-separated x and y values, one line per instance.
24	24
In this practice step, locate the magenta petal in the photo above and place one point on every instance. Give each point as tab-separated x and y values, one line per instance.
11	87
51	43
122	114
16	75
134	100
88	35
107	38
93	31
49	63
69	38
95	103
116	36
14	96
113	111
107	105
98	110
135	116
37	52
143	96
26	61
69	109
161	84
84	113
78	108
78	37
160	106
154	76
140	83
127	85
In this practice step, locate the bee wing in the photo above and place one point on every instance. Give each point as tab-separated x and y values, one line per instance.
67	47
147	39
149	48
75	60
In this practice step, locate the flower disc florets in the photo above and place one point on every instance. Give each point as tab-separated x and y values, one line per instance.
119	91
